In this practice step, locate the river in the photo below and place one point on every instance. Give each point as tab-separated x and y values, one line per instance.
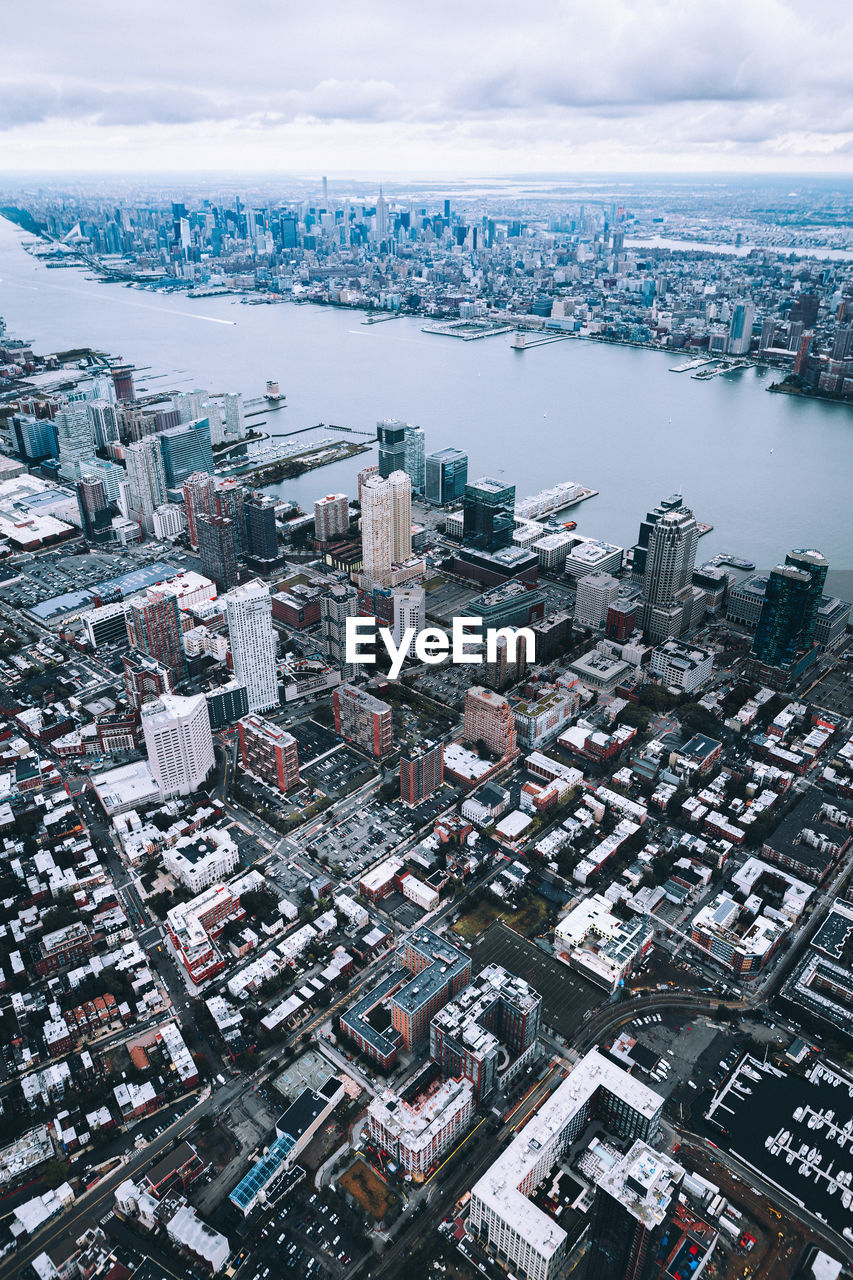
767	471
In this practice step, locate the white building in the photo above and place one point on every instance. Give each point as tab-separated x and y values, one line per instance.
248	611
681	666
409	611
530	1242
592	556
169	520
179	742
596	592
386	525
76	439
146	481
553	549
202	859
188	1232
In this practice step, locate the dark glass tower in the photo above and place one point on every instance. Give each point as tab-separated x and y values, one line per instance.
488	515
788	618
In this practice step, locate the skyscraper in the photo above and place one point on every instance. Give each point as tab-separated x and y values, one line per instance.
186	449
331	517
409	604
261	531
381	217
415	457
199	500
445	476
122	375
740	328
670	603
95	517
269	752
235	421
104	422
147	480
386	525
218	548
75	438
248	612
336	605
784	636
153	624
401	514
421	772
488	514
178	742
229	500
391	435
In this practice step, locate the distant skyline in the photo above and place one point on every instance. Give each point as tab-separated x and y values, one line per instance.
667	86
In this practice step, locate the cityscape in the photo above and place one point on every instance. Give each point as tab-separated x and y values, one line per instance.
426	656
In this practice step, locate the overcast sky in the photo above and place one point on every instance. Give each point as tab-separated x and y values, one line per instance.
427	86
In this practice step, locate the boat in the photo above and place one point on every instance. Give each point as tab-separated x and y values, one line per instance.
570	524
785	1137
790	1157
798	1114
846	1199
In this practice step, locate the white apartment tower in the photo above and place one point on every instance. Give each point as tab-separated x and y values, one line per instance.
248	612
179	742
75	436
409	611
401	515
386	525
147	480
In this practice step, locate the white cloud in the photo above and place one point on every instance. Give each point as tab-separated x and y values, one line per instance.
390	86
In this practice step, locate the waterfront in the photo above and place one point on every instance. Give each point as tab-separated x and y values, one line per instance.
812	1116
767	471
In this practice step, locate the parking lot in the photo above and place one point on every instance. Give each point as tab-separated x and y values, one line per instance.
363	837
566	996
339	772
834	691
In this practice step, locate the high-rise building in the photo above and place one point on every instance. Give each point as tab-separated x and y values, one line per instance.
248	612
146	480
269	752
179	743
104	422
415	458
218	548
366	473
596	592
488	514
634	1201
36	437
336	605
199	491
75	438
421	772
386	525
363	720
144	679
670	602
409	604
154	628
489	719
122	375
229	500
186	449
331	517
445	476
740	328
785	633
95	515
391	435
235	421
381	218
261	529
502	671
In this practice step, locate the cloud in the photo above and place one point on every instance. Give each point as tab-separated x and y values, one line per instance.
636	76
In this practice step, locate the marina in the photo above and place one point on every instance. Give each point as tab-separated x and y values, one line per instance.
795	1131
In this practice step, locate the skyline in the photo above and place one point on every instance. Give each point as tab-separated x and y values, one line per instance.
760	89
